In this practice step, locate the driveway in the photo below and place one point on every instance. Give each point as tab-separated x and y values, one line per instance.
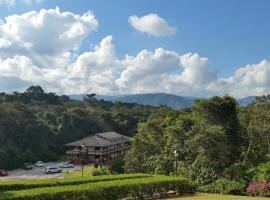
37	173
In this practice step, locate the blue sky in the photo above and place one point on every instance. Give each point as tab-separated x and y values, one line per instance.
230	34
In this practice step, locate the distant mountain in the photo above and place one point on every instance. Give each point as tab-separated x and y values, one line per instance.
246	100
152	99
158	99
105	97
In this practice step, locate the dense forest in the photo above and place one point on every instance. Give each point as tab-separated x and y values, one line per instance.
216	143
35	125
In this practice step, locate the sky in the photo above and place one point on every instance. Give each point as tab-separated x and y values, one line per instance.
184	47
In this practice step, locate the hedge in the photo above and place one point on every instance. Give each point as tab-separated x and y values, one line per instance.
224	186
19	185
107	190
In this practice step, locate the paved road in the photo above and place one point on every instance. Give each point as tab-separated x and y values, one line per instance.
36	173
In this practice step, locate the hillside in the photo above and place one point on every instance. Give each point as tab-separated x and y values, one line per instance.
34	125
158	99
152	99
246	100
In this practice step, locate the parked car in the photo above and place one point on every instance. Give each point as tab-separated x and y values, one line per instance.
27	166
3	172
40	164
67	165
53	169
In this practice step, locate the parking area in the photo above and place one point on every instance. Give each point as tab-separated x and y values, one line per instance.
37	172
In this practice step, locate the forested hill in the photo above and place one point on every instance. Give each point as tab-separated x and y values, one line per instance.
219	145
35	125
152	99
158	99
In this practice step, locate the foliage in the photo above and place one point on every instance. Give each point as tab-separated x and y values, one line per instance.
117	166
117	189
103	170
206	138
20	185
34	125
262	172
261	189
224	186
217	197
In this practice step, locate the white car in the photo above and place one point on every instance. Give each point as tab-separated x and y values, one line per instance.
53	169
67	165
40	164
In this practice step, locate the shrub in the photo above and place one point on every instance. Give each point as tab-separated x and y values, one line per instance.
119	189
262	172
104	170
224	186
117	166
238	172
20	185
261	189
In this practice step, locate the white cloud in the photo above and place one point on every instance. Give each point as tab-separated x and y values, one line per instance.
40	48
48	37
151	24
4	43
196	70
95	70
252	79
146	66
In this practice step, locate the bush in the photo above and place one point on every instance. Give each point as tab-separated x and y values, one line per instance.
117	166
104	170
238	172
261	189
224	186
262	172
119	189
20	185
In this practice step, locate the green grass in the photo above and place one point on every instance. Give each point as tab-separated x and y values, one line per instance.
216	197
87	170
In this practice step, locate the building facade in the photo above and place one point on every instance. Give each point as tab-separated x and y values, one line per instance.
100	148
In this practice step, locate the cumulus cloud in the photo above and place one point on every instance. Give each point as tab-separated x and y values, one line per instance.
40	48
47	36
252	79
95	70
148	63
151	24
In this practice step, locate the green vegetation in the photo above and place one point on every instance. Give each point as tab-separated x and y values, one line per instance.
102	189
215	139
224	186
20	185
215	197
87	170
220	146
34	125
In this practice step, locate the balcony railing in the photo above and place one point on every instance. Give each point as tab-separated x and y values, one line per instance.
99	152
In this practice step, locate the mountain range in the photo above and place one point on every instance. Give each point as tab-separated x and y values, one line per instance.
158	99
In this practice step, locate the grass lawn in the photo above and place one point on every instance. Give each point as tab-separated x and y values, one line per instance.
87	170
216	197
